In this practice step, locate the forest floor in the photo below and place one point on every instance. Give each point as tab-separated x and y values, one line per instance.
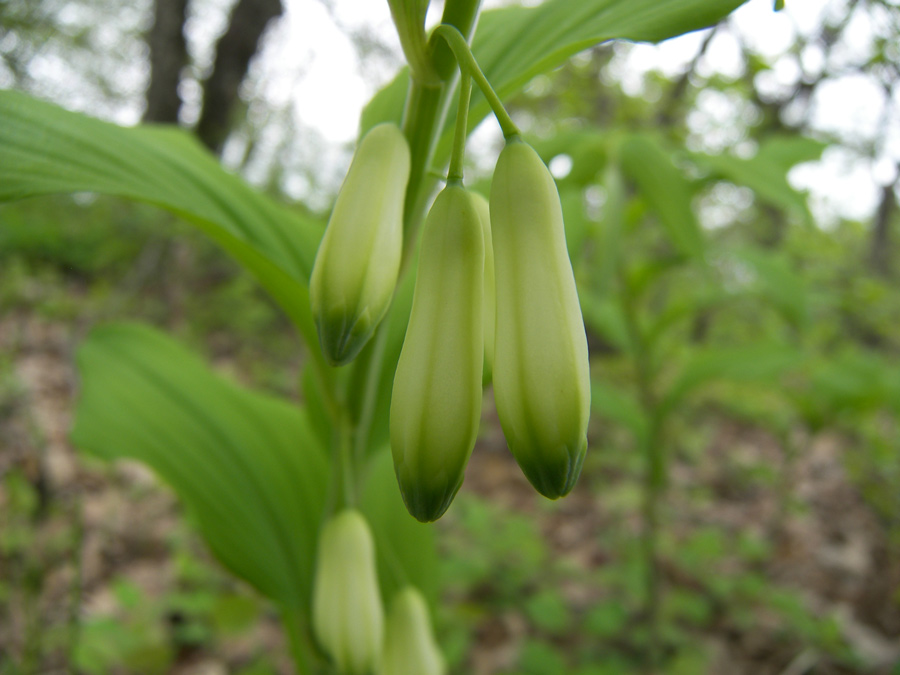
101	557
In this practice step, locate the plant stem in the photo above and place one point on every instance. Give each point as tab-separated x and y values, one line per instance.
654	477
459	137
347	484
468	64
298	638
423	119
325	378
650	545
409	18
460	13
426	110
370	395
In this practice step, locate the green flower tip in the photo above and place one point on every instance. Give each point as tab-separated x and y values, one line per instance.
554	474
425	502
343	336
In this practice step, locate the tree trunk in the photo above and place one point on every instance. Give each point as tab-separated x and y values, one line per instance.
168	55
879	247
233	53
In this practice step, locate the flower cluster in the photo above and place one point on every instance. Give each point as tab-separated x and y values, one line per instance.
494	298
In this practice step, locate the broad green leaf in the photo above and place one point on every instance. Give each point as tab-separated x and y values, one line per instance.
760	363
665	189
766	172
789	151
247	465
514	44
587	148
775	281
851	380
387	105
45	150
767	181
406	551
846	384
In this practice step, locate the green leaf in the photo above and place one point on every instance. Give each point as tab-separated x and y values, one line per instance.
789	151
775	281
766	172
851	380
514	44
665	190
405	547
246	465
45	150
586	147
387	105
760	363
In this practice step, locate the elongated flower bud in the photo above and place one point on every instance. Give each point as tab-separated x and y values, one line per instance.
490	291
541	372
348	618
358	260
409	645
436	401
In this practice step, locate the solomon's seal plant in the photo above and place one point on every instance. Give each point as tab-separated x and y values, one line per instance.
436	402
356	267
490	292
536	349
494	298
348	618
309	486
409	645
541	381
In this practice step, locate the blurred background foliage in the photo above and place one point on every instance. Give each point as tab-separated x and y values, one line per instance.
740	509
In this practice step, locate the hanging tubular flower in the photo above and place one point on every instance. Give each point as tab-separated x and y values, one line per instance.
541	372
490	292
358	260
409	645
436	400
348	618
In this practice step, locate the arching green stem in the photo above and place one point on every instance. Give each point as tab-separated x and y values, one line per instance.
424	115
459	137
469	65
409	18
346	469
